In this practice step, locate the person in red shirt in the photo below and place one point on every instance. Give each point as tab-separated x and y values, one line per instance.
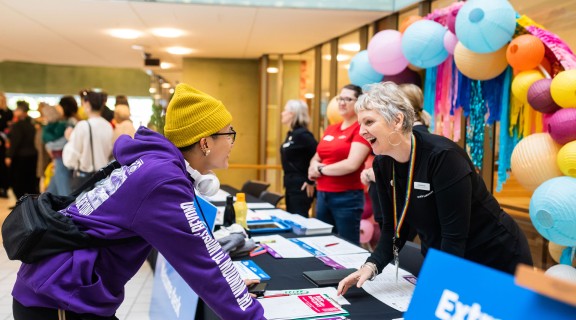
336	167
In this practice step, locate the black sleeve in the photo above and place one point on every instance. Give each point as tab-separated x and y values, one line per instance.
15	136
454	205
382	254
308	144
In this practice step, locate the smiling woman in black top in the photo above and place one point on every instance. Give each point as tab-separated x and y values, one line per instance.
428	182
296	152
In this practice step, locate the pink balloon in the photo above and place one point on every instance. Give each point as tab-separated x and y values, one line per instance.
385	52
366	230
450	41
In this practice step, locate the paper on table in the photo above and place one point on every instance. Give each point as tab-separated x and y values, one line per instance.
332	245
259	205
257	215
250	215
385	288
250	270
348	261
282	246
300	306
330	291
220	196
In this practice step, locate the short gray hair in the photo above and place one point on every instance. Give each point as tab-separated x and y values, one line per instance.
300	110
389	101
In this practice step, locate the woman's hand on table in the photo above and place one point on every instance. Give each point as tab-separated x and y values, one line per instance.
356	278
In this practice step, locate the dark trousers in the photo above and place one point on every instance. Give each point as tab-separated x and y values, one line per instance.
23	173
4	173
296	199
21	312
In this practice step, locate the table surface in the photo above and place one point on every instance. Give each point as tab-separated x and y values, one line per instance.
288	274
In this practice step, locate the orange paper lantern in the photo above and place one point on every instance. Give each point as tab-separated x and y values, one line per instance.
407	22
332	112
534	160
480	66
525	52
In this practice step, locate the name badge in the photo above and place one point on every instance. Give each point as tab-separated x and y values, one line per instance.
286	145
422	186
328	138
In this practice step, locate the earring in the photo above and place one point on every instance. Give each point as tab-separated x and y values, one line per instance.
394	144
206	152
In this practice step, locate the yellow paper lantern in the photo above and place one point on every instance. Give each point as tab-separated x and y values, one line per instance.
480	66
522	82
566	159
332	112
563	89
534	160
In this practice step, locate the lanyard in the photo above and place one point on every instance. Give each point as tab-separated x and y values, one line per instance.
398	224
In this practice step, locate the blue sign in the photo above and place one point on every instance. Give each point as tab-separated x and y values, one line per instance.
172	298
453	288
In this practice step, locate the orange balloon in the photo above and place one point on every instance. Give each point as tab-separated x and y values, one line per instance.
407	22
332	112
525	52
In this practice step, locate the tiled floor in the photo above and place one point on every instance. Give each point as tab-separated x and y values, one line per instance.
138	290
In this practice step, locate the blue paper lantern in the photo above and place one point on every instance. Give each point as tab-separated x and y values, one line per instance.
423	44
485	26
361	72
553	210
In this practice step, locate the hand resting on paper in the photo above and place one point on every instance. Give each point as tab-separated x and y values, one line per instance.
358	278
249	282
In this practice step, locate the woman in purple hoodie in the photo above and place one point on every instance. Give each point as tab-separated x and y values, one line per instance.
150	197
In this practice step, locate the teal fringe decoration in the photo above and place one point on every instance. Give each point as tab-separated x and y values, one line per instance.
430	93
475	130
507	142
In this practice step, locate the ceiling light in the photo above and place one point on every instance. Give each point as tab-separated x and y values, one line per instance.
171	90
309	95
166	85
340	57
152	90
125	33
167	32
166	65
179	50
272	70
350	47
137	47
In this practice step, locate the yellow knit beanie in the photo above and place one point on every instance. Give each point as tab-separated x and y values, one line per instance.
192	115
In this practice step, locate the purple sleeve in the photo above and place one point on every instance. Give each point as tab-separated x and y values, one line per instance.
168	220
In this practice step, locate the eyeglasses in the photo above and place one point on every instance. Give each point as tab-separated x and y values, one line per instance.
232	133
345	99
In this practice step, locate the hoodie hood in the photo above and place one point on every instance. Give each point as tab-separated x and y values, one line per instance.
127	150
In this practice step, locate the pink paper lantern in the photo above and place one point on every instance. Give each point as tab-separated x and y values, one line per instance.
450	42
562	125
385	52
540	98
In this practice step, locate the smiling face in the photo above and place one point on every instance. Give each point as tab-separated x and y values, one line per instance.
220	145
375	129
346	101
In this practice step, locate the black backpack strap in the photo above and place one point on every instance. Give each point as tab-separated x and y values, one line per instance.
97	176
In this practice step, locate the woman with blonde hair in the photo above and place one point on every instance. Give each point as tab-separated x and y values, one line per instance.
296	152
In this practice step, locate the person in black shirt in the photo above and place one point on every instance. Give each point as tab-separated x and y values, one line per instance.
296	152
6	116
429	183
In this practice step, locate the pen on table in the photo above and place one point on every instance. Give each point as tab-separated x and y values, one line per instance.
331	244
276	295
257	253
266	241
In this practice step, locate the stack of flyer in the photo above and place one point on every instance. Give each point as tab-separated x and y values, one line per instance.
301	307
300	225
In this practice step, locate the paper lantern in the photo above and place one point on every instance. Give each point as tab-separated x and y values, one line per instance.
406	76
540	98
450	42
533	160
566	159
451	20
522	82
366	230
407	22
552	210
332	112
480	66
562	272
361	72
525	52
423	44
385	52
563	89
562	126
485	26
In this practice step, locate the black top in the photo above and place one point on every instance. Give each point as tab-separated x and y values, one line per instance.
296	152
5	117
450	206
22	135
